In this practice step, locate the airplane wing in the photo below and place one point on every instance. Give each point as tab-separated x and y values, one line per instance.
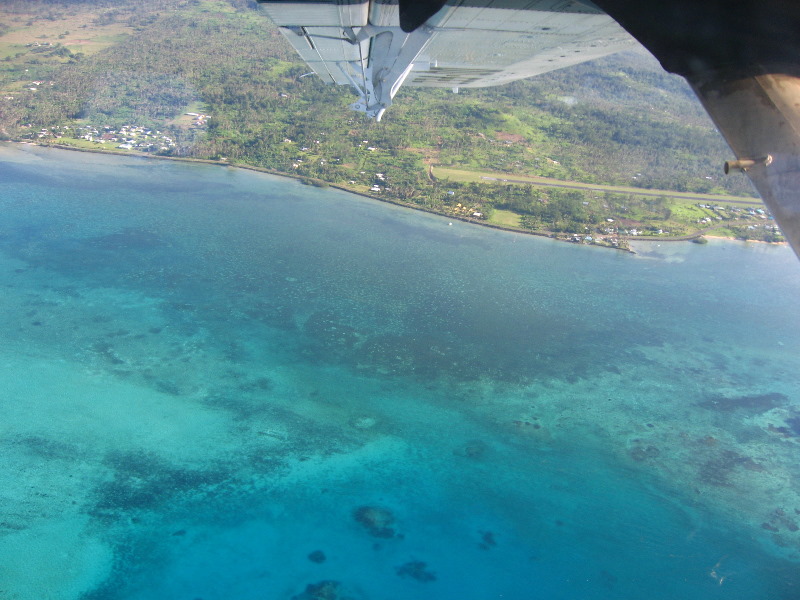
473	43
741	59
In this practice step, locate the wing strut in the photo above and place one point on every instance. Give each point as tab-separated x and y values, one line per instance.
391	59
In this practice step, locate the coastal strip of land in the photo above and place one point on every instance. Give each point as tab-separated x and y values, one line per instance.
441	172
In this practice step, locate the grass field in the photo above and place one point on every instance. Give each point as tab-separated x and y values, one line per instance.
78	32
32	47
504	218
464	176
86	144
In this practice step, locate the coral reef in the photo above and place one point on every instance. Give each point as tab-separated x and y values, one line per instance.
317	556
472	449
324	590
143	481
790	427
718	469
378	521
779	520
642	453
416	569
756	403
487	540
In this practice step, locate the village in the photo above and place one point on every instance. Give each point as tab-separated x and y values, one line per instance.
127	137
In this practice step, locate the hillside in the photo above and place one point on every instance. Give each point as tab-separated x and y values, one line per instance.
74	72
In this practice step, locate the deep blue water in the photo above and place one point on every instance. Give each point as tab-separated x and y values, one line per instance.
221	384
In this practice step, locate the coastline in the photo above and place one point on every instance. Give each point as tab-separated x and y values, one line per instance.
722	237
312	181
300	178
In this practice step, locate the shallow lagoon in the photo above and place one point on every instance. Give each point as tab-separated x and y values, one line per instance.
221	384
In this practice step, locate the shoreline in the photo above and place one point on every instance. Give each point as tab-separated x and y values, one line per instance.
312	181
722	237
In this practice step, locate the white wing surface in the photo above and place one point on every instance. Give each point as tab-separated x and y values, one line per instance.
468	43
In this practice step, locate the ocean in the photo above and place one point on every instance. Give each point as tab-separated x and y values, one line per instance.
220	384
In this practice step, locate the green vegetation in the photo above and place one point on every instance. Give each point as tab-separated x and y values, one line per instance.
505	218
133	74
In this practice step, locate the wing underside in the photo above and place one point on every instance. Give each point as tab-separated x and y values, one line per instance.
468	43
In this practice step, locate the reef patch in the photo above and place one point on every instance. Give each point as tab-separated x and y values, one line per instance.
324	590
378	521
416	569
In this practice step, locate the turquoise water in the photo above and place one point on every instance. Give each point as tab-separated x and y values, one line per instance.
220	384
